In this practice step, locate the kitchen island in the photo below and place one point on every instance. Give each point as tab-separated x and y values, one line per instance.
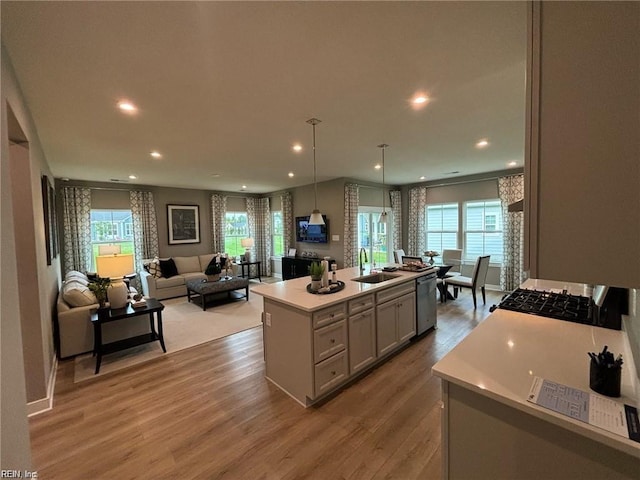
315	343
490	430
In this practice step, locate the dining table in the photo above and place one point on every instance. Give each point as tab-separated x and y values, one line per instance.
441	272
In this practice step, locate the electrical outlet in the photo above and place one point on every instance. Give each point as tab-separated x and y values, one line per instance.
267	319
335	238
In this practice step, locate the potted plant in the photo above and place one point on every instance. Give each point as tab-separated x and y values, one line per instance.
99	288
316	270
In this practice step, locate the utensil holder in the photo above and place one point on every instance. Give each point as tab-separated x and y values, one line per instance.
605	380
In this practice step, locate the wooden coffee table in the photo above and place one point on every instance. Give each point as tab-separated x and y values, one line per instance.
107	315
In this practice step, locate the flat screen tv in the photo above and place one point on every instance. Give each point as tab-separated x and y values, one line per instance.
312	233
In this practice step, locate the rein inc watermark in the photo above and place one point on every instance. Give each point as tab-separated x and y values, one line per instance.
18	474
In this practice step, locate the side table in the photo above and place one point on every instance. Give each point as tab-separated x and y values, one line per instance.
248	274
106	315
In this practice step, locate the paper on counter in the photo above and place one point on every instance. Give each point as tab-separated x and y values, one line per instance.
587	407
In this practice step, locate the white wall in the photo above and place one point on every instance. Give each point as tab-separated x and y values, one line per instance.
14	435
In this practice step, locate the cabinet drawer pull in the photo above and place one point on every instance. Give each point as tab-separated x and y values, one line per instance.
333	372
333	340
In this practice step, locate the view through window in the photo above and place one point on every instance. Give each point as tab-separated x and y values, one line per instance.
483	230
111	227
373	236
235	229
442	227
277	233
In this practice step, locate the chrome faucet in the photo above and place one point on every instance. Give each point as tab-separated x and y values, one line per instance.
362	250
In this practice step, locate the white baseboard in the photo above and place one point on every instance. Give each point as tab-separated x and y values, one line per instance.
45	404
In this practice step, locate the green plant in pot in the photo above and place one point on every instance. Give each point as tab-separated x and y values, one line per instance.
99	288
316	270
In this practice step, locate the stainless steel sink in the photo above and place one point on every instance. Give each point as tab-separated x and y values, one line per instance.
375	278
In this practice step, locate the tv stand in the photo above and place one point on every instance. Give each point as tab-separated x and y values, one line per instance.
295	267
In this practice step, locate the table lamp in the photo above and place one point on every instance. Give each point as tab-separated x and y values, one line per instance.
247	243
116	266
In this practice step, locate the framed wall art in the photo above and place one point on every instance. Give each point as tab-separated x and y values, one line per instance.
183	222
50	219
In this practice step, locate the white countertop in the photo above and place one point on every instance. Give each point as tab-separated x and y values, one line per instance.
294	292
501	356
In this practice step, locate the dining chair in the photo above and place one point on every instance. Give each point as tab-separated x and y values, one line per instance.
397	255
477	279
453	257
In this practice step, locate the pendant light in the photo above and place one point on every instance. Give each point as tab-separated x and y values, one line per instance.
383	215
316	216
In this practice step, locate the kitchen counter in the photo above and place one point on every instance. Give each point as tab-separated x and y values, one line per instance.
294	292
493	369
314	344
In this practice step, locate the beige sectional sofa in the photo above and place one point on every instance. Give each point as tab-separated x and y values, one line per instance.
75	305
157	285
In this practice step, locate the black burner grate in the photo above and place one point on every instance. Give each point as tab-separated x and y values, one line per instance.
563	306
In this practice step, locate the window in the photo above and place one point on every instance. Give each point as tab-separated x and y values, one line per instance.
483	230
236	227
277	233
374	236
442	227
111	227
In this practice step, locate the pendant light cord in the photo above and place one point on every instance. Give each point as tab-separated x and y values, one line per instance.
383	146
315	183
314	122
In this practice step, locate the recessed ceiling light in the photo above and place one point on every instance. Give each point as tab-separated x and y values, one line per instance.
156	154
419	100
127	106
215	175
513	163
378	166
422	177
244	187
482	143
290	174
297	147
132	177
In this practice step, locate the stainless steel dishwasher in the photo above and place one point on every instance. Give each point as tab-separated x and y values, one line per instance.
426	303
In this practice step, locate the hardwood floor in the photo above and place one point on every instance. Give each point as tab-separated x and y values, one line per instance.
209	413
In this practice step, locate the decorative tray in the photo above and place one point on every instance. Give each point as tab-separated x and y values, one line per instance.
407	268
333	290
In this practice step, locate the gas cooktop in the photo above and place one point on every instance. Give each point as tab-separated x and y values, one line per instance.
562	306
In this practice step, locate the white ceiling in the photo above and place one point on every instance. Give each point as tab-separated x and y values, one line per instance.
226	88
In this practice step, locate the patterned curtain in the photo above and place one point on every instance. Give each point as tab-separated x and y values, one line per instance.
351	204
77	228
511	189
287	220
145	229
218	212
396	209
259	219
417	218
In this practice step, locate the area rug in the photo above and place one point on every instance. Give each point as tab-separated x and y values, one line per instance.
185	325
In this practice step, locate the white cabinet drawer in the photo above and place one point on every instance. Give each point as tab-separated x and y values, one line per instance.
329	340
394	292
329	315
331	373
360	304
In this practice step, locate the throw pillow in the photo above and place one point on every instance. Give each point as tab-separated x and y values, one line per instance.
154	269
168	268
213	268
77	294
